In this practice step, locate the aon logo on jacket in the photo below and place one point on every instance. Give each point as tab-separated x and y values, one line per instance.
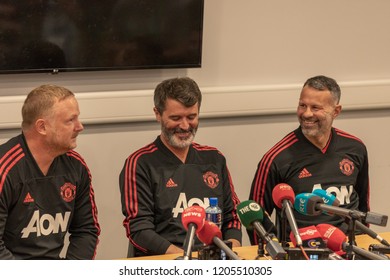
46	224
182	204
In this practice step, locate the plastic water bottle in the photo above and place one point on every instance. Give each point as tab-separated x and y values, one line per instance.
213	212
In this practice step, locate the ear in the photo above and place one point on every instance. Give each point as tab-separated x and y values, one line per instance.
157	114
337	111
41	126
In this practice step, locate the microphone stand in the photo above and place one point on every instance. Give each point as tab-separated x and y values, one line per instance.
351	221
260	248
188	245
283	239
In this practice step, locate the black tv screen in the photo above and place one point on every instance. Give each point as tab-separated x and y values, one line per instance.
88	35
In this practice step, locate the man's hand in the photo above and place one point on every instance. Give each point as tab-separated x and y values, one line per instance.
235	242
172	249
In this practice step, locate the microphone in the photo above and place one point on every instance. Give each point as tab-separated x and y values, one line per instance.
211	234
333	236
371	233
283	196
330	199
251	215
193	219
336	241
313	205
311	238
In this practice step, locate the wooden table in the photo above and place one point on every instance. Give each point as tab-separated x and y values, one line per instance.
250	252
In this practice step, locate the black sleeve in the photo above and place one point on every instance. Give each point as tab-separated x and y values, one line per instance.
5	254
231	226
261	191
363	185
138	209
84	229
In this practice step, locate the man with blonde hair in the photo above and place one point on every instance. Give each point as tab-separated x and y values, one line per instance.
45	186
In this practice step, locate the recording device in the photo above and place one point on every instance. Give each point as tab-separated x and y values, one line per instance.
312	253
193	219
251	215
283	196
336	241
213	252
210	234
313	205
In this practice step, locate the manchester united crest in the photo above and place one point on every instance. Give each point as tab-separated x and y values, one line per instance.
211	179
347	167
68	192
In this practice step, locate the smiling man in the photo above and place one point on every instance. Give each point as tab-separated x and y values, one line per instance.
315	156
165	177
45	186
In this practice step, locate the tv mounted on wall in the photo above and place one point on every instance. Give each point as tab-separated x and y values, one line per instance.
88	35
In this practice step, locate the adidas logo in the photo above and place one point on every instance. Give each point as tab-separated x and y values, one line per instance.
28	198
171	183
304	173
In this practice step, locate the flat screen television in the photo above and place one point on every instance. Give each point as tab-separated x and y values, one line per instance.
89	35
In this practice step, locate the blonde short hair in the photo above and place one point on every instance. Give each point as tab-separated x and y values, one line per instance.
40	101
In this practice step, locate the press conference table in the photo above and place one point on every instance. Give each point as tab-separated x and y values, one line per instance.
250	252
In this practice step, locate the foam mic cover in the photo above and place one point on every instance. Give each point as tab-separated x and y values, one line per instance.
211	234
194	215
282	192
336	241
208	232
251	216
248	212
328	198
333	236
311	238
305	203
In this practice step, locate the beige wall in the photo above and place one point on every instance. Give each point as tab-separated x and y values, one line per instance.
256	56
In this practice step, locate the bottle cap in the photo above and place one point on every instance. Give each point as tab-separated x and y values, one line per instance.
213	201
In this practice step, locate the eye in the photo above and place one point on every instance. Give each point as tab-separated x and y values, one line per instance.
175	119
315	108
192	117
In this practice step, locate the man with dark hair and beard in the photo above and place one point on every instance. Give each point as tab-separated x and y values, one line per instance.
165	177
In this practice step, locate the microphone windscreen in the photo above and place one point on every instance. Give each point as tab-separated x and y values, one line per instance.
208	232
328	198
311	238
248	212
193	215
305	203
281	192
333	236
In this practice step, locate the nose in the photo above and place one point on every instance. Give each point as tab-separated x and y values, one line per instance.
307	112
79	126
184	124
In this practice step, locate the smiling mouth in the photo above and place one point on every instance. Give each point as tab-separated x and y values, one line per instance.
309	123
183	135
